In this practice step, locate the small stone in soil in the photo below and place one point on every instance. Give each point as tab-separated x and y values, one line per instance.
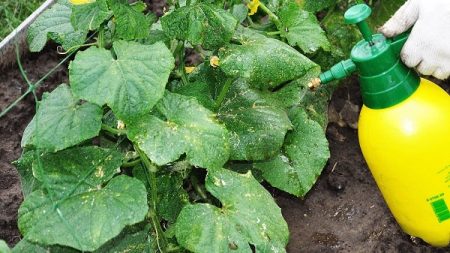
337	179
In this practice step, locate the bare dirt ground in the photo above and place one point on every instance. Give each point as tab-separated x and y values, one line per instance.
343	213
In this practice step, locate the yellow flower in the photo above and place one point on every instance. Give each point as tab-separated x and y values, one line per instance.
189	70
80	2
214	61
253	6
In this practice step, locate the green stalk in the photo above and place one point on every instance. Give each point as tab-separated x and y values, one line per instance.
131	164
150	172
223	92
181	64
272	15
114	131
199	189
273	33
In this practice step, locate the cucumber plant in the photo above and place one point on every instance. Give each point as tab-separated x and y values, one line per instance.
145	151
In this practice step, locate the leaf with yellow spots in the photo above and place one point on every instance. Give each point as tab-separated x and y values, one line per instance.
303	156
79	198
257	127
184	127
248	215
253	6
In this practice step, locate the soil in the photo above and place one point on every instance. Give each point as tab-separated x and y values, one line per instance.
344	212
12	85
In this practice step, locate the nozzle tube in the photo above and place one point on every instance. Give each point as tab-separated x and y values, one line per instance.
338	71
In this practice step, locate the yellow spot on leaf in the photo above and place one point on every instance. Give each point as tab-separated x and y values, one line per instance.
99	172
189	70
214	61
80	2
120	125
253	7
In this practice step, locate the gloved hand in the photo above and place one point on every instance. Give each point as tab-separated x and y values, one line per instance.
428	46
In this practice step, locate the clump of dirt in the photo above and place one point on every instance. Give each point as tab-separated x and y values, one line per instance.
11	128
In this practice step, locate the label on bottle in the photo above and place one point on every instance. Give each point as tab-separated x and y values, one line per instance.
439	207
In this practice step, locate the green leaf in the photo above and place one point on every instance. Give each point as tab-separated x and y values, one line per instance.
200	24
214	78
55	23
315	104
87	17
200	90
135	239
341	35
302	159
301	28
25	246
130	84
4	247
62	121
240	12
77	204
130	23
186	127
248	215
76	170
264	63
382	10
24	166
257	128
316	5
171	195
295	92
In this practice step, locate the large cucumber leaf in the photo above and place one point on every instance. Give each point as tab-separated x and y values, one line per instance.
62	121
185	127
248	215
264	63
79	204
130	83
55	23
304	154
257	128
200	24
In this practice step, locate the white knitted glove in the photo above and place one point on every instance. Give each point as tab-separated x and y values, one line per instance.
428	46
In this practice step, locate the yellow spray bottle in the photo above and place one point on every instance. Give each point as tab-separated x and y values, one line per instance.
404	132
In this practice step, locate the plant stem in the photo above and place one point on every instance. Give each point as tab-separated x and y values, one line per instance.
101	37
198	188
113	130
150	172
272	15
181	63
131	164
273	33
223	92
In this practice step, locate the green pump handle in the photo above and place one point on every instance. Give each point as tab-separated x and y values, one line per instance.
346	67
384	79
358	15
